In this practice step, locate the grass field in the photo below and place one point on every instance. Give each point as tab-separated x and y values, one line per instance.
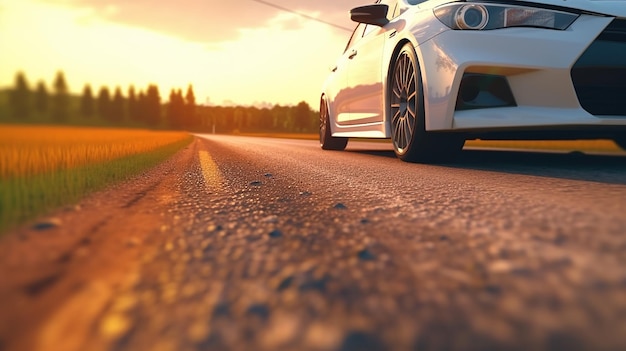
26	151
45	167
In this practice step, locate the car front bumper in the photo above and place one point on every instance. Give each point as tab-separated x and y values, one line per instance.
557	78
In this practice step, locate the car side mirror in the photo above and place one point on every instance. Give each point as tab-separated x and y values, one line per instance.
371	14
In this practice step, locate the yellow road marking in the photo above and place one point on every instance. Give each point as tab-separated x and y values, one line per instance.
212	174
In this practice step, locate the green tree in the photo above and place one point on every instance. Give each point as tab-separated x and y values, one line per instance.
133	105
239	117
190	108
87	102
302	117
61	98
104	103
283	118
41	99
252	119
19	99
142	107
117	107
176	109
153	106
265	119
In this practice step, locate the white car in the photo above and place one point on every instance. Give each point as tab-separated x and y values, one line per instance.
430	74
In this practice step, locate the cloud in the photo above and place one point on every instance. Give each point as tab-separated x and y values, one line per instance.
211	20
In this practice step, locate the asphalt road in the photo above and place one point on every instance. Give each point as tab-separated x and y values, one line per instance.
267	244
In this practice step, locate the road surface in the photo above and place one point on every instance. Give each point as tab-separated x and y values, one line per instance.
239	243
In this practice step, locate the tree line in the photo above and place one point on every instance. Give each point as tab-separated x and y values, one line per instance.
144	108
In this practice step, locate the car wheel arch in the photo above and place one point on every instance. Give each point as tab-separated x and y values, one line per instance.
327	141
390	67
328	105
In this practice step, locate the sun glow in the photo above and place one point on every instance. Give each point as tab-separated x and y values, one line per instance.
283	62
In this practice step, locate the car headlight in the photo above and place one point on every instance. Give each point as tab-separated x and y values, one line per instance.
477	16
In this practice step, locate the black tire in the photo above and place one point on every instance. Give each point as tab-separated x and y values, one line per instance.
327	141
411	142
620	141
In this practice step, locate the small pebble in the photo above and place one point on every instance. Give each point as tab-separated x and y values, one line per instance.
47	224
358	340
366	255
276	234
132	242
314	285
222	309
340	206
256	183
285	284
493	289
261	311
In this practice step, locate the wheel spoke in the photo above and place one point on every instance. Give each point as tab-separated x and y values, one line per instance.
396	132
397	93
399	73
409	126
395	118
411	111
412	95
404	68
407	129
410	79
398	79
406	75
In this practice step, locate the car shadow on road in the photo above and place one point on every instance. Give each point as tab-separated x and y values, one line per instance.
609	169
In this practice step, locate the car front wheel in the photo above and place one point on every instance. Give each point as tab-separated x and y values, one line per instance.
411	142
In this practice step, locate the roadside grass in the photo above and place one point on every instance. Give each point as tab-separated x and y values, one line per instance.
42	168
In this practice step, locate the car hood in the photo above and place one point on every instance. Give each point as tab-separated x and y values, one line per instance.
607	7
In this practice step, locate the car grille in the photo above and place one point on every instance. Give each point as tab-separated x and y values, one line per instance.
599	75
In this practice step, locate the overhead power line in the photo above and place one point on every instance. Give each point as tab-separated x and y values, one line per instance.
302	15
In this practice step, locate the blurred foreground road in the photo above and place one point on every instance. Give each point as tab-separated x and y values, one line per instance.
264	244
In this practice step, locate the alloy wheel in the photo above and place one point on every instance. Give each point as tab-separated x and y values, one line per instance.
404	96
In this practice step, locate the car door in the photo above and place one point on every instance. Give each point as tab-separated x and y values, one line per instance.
365	74
338	91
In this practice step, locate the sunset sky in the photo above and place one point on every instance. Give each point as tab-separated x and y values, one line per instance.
240	51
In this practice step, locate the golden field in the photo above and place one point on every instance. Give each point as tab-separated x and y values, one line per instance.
31	150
